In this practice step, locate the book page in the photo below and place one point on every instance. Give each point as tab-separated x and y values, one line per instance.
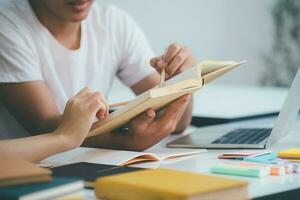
114	157
209	66
169	153
191	73
211	72
92	155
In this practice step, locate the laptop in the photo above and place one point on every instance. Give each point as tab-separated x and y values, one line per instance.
247	138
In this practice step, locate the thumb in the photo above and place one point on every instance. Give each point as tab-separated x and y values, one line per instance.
153	61
174	111
158	63
141	122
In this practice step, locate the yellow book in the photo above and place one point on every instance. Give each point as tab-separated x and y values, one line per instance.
186	82
293	153
167	184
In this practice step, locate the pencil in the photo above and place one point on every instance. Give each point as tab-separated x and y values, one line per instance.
162	77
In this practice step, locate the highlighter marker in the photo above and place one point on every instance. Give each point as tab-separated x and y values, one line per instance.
238	170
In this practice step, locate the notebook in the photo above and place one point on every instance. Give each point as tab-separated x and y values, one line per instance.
90	171
189	81
17	171
169	184
37	191
117	157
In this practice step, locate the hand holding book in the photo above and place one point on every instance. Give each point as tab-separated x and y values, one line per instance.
176	59
148	128
84	105
186	82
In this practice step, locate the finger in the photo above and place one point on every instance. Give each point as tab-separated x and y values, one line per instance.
190	59
95	96
173	114
106	105
172	50
83	92
103	107
91	96
86	97
183	67
96	104
176	63
98	108
153	61
101	113
158	63
141	122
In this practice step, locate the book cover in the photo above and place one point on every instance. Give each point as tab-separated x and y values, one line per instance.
169	184
89	172
37	191
17	171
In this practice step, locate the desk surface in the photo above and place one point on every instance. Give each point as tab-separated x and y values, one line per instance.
257	186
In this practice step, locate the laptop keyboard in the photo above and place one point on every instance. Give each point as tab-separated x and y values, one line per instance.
244	136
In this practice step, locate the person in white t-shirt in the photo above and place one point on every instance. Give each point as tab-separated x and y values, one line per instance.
50	49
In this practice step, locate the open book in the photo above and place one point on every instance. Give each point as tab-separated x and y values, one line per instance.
116	157
186	82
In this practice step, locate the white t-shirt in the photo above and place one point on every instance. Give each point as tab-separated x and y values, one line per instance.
111	45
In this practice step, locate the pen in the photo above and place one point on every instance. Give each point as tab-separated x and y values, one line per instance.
162	77
163	73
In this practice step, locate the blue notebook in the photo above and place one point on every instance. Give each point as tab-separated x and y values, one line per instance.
57	187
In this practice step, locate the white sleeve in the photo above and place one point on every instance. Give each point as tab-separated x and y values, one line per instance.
135	51
17	60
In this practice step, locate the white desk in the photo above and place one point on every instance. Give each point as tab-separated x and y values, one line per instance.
257	186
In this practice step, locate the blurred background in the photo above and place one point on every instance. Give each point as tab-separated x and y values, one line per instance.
265	33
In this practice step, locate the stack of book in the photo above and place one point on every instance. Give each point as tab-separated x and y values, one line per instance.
20	179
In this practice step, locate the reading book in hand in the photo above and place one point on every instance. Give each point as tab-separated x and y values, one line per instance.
156	98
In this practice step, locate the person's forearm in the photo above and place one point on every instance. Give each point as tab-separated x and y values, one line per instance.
110	140
33	148
44	125
186	118
120	140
